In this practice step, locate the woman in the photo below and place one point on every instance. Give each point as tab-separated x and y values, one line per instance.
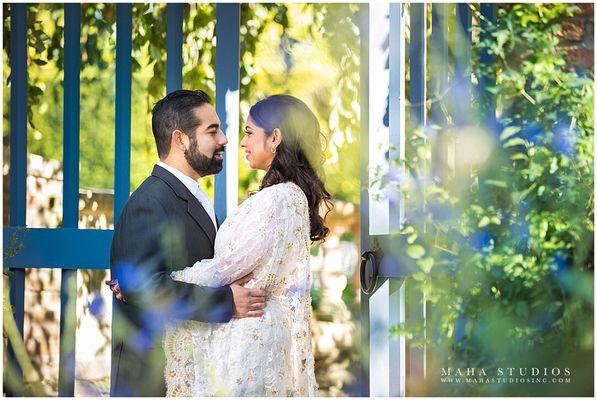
269	235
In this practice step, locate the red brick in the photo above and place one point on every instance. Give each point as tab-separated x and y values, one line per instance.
572	30
579	55
586	9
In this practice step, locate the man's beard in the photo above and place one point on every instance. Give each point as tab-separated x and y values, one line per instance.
202	164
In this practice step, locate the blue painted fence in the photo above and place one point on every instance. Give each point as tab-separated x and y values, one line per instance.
70	248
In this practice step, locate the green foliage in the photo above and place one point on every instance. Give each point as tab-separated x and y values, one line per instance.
310	51
282	47
502	246
339	27
316	296
45	26
14	245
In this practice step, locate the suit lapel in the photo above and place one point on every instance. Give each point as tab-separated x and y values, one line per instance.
194	208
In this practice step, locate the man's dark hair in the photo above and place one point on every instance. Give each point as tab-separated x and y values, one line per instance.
175	112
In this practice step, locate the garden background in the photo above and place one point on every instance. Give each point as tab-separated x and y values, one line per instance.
503	246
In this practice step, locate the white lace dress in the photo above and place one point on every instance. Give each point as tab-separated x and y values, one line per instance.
266	356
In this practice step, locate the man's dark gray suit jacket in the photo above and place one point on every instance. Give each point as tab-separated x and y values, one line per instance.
162	228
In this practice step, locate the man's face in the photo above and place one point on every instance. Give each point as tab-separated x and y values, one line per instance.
206	144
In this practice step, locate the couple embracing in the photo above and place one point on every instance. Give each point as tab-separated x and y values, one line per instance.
203	314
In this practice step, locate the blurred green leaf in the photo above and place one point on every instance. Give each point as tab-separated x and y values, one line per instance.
415	251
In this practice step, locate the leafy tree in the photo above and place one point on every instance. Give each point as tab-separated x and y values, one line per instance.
312	52
332	37
503	247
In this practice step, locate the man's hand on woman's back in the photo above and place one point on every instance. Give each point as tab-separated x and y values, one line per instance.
247	302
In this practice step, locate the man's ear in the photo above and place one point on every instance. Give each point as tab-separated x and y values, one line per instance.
178	139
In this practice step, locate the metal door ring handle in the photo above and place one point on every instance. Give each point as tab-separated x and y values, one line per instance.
368	285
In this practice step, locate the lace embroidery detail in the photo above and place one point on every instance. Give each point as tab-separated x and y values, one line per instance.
267	234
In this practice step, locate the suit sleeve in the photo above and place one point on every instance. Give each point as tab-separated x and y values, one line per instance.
138	261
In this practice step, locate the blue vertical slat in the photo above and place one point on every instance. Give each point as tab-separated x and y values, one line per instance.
396	110
418	73
364	175
418	43
122	157
462	98
18	162
464	21
439	85
439	60
174	13
227	81
488	13
18	114
72	64
461	94
68	290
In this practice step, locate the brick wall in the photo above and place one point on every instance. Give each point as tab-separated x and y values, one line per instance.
577	36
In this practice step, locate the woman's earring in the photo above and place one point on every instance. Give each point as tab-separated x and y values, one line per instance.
273	150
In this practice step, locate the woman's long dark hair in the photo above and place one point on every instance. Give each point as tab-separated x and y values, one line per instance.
299	157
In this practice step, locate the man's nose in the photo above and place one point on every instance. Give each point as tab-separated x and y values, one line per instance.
223	139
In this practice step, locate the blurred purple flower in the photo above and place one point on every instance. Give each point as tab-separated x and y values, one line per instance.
531	132
142	340
481	239
398	175
154	320
524	207
391	194
293	288
564	139
180	308
561	261
96	307
130	276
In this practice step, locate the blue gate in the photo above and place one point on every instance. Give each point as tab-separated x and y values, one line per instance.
68	247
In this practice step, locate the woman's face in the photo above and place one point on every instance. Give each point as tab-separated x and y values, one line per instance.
258	147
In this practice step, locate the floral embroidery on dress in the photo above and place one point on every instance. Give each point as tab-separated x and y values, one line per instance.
268	235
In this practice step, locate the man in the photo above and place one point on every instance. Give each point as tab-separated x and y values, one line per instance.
168	224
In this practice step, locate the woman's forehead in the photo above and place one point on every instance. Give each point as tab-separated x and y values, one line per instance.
250	121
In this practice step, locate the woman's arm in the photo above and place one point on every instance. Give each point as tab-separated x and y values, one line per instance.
260	228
